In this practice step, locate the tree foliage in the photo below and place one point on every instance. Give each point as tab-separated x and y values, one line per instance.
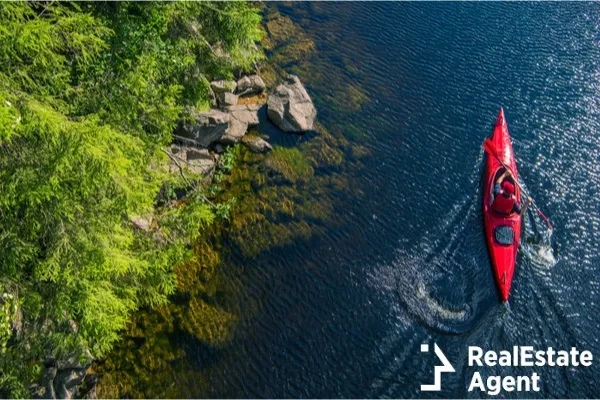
89	96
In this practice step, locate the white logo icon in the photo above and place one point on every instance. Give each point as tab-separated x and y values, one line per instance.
437	377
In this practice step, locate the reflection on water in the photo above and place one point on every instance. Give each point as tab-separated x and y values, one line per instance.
353	245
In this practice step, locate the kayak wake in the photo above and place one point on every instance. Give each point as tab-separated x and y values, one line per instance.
536	244
432	282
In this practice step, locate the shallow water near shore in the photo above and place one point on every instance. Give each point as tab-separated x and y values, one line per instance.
372	241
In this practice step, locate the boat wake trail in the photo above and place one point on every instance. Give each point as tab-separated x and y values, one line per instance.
536	242
434	281
418	291
433	289
442	289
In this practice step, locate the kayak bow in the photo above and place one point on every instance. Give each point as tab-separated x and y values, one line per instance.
502	231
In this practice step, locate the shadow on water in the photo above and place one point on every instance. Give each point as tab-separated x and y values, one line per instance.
276	136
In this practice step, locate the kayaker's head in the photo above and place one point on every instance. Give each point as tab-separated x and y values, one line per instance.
508	188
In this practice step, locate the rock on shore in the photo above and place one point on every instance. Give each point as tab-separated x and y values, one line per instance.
256	144
290	108
242	116
230	122
248	85
194	159
204	127
223	86
64	381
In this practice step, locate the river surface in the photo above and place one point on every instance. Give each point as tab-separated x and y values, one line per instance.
344	313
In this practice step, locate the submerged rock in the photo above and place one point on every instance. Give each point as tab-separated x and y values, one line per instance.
256	144
290	108
251	84
204	127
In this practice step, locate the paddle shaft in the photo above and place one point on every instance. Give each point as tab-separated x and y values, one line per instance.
491	149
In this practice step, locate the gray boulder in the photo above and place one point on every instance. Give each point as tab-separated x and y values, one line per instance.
191	158
290	108
247	113
252	84
219	149
227	99
204	166
200	161
204	127
256	144
237	129
141	223
212	97
58	384
45	390
241	117
223	86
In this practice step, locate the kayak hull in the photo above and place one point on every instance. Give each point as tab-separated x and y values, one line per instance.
503	256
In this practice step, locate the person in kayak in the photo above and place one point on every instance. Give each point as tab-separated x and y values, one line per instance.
504	200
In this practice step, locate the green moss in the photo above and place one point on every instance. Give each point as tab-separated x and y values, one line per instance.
280	29
325	150
291	163
194	276
144	353
286	44
208	323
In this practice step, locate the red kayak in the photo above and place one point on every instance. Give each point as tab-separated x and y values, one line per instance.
502	232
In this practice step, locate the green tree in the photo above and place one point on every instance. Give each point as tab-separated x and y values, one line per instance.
89	96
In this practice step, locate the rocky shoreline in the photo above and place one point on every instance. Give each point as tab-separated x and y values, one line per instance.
201	136
198	142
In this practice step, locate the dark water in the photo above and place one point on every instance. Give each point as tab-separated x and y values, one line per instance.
344	314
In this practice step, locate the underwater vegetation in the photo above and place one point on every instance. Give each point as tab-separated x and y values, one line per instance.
282	197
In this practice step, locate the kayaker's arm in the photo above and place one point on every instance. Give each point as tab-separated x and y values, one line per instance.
517	207
496	191
501	178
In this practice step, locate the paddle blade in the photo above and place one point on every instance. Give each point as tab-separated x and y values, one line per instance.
545	219
488	145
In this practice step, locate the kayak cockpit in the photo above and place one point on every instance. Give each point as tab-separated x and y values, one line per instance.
504	235
499	172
